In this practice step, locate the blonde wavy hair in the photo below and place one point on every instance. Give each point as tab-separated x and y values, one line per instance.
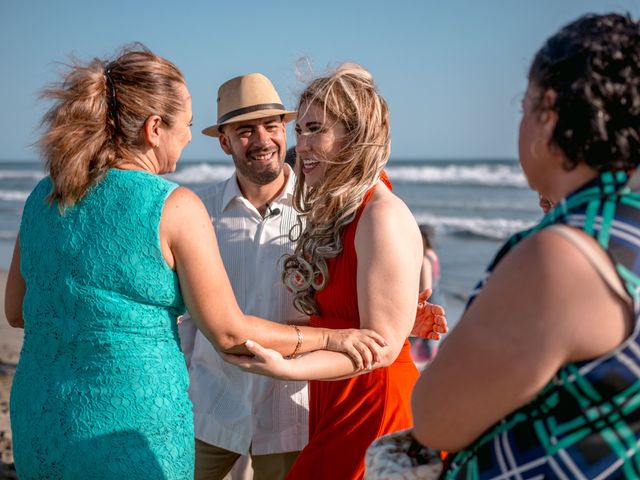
98	115
350	96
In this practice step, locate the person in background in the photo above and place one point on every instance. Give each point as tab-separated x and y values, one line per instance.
422	349
430	271
108	254
545	204
290	158
540	377
356	264
237	413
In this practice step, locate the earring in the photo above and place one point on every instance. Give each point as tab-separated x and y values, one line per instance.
533	148
156	145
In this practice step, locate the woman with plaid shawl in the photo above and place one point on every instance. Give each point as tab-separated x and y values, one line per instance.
541	377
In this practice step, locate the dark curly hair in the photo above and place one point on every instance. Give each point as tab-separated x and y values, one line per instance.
593	66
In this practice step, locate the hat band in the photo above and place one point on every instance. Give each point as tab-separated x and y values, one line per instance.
252	108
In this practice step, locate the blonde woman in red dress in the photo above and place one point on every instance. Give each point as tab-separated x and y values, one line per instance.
356	265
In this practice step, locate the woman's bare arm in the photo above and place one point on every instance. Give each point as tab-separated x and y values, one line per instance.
15	290
388	250
189	244
543	306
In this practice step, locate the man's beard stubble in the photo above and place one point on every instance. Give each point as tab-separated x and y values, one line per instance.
263	176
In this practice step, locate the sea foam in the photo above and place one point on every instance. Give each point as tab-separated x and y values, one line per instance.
492	228
476	174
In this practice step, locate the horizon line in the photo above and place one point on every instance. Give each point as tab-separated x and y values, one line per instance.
229	160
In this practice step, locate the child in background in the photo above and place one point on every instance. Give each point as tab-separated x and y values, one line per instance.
422	349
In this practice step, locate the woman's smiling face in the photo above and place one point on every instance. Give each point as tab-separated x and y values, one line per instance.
319	140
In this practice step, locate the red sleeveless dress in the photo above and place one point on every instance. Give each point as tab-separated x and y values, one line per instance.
345	416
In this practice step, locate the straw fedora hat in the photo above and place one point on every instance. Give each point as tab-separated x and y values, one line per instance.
246	98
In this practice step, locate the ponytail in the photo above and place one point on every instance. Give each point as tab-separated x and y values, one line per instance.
98	115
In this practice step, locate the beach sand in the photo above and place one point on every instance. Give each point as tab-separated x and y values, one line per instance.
10	344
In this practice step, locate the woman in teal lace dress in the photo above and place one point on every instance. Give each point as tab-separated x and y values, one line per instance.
108	255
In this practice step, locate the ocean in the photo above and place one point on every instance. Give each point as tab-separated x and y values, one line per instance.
474	206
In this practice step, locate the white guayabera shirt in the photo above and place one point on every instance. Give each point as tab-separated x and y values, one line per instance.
232	409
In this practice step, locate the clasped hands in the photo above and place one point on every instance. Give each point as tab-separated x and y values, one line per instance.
363	346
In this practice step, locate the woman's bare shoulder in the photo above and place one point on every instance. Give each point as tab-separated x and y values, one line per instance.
183	214
551	288
385	206
386	218
182	196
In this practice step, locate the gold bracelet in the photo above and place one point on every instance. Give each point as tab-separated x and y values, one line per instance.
299	344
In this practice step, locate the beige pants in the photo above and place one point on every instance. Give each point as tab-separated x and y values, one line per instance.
213	463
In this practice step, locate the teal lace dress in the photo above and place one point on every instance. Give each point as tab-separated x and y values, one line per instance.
101	387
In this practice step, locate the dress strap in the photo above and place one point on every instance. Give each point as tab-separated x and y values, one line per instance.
367	196
385	179
597	259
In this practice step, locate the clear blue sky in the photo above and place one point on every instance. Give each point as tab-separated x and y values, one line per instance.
452	71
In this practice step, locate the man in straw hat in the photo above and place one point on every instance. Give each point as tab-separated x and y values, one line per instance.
235	412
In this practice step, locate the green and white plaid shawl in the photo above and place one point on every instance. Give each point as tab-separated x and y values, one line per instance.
585	423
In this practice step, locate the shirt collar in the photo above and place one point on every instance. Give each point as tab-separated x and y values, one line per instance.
232	190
